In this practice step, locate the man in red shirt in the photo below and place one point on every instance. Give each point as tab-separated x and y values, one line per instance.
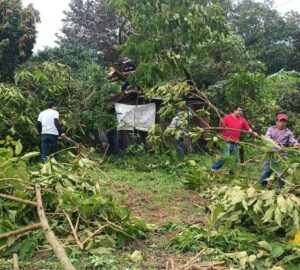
234	123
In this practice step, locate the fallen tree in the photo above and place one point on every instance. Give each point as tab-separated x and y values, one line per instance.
67	194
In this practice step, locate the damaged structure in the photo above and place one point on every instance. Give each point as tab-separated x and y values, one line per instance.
136	114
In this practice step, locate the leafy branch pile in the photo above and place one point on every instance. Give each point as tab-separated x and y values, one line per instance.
249	227
77	212
238	248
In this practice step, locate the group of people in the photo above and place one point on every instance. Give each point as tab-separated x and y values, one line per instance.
232	125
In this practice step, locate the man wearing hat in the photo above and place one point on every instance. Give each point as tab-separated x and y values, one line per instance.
281	135
49	127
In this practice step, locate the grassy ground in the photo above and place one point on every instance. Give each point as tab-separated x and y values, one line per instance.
159	196
153	189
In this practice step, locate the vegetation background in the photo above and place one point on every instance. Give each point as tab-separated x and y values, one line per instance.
230	53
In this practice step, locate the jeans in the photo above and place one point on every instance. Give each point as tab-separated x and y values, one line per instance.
49	146
267	172
180	146
231	149
113	142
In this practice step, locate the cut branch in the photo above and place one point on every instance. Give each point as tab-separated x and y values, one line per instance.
15	261
191	261
80	245
77	223
21	231
49	234
94	233
225	128
16	199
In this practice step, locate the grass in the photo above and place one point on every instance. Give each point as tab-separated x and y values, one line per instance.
154	190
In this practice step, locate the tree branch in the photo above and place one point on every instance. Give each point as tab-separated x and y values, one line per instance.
21	231
16	199
80	245
94	233
50	236
15	261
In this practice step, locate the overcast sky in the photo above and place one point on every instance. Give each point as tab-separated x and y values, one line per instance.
51	12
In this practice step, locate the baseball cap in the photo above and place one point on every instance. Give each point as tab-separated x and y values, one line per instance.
281	117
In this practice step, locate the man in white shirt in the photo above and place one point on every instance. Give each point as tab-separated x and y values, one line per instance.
49	127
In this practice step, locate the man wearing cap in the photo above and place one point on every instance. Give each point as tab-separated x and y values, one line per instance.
49	127
233	124
281	135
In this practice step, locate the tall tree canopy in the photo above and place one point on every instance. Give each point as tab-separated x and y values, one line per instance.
92	25
17	35
267	34
166	36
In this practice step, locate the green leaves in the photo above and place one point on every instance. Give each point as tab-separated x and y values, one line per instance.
278	216
30	155
74	187
268	215
246	248
237	247
282	204
19	148
168	42
263	209
265	245
12	166
17	36
172	95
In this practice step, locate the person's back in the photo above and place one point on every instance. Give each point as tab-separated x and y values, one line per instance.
47	119
49	127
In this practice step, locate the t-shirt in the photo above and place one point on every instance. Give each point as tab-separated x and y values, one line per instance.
239	123
47	117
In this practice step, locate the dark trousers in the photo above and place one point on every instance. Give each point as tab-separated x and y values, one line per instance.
231	149
267	172
49	146
113	142
180	146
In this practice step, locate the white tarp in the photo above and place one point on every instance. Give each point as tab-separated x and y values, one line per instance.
140	117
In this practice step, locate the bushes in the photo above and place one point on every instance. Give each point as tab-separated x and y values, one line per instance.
83	100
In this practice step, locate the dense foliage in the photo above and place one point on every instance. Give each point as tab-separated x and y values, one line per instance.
220	53
164	46
17	36
269	35
82	96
